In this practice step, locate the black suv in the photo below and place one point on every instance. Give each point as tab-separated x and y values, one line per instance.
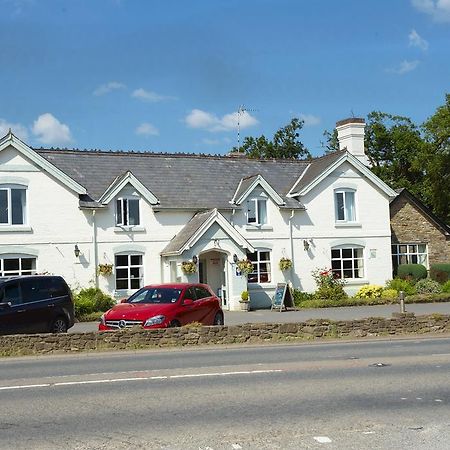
35	303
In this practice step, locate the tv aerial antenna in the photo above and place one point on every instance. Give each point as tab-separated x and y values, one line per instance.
240	112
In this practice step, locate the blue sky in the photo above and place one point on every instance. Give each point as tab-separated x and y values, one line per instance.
169	76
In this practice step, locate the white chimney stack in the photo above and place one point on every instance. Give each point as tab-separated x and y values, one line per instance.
351	137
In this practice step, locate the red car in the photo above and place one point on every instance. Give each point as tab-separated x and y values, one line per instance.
165	305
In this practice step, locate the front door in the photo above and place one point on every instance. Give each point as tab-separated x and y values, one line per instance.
212	271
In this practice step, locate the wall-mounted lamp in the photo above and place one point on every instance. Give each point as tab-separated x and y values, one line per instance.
305	245
235	258
195	259
77	251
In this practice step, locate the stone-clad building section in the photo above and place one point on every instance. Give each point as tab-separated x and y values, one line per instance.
418	236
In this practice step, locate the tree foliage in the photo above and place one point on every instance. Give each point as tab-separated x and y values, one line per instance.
285	144
403	154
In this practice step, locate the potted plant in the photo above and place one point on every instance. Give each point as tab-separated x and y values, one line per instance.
285	264
245	300
188	267
245	266
105	269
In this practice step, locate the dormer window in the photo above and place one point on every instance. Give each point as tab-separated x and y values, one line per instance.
345	205
13	201
127	211
257	211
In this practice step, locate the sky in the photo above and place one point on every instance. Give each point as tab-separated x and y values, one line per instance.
170	75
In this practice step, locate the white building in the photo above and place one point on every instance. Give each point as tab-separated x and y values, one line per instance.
145	213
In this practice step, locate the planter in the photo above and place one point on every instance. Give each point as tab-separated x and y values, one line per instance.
245	306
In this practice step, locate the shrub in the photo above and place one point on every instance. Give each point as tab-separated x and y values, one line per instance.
300	297
414	272
90	300
401	285
329	285
369	291
440	272
389	293
428	286
446	287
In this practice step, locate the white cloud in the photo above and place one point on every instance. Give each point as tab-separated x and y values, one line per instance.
404	67
439	10
208	121
415	40
108	87
17	128
50	131
150	96
309	119
147	129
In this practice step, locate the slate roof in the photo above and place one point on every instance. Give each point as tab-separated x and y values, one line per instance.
187	231
179	181
317	167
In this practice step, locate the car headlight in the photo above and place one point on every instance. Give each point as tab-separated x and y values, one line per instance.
102	319
155	320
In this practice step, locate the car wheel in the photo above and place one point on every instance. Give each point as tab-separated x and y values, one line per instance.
218	319
174	324
59	325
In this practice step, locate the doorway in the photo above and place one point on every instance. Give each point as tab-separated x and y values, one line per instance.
212	271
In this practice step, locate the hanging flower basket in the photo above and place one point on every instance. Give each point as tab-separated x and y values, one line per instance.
105	269
188	267
245	266
285	264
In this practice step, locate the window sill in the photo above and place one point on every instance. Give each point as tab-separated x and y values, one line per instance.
348	225
129	229
355	281
15	229
260	286
259	227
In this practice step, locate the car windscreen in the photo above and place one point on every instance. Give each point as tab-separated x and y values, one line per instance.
155	295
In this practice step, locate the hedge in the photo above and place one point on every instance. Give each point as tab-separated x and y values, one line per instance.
414	271
440	272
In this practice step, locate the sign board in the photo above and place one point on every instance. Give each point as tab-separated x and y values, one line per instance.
283	297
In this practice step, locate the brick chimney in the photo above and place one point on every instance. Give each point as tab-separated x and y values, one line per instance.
351	136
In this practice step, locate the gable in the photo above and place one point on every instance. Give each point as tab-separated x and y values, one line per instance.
247	187
18	157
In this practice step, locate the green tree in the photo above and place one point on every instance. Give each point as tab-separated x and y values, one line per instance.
285	144
435	160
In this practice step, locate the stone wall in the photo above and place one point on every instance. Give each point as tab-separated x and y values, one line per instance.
409	225
129	339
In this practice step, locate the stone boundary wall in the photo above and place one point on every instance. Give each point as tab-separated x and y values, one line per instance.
133	339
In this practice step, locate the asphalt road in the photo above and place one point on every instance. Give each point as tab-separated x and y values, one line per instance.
343	313
380	394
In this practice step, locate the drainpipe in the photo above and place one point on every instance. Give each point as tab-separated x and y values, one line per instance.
291	241
94	242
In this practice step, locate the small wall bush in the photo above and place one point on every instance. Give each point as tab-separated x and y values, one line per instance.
91	300
389	293
369	291
440	272
301	297
428	286
446	287
414	272
401	285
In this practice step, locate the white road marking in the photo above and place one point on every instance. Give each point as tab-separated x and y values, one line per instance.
322	439
437	400
25	386
236	446
418	398
368	432
118	380
404	398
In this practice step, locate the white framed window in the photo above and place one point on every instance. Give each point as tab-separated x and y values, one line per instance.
129	271
345	205
348	262
17	265
261	267
257	211
409	254
127	211
13	205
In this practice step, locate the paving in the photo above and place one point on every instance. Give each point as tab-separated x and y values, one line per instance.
289	316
